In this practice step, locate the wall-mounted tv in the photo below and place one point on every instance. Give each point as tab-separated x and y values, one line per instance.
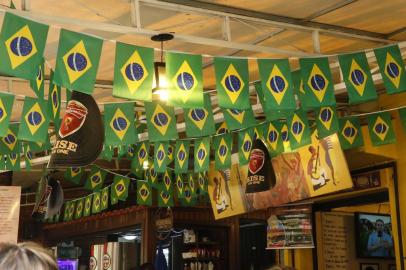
374	236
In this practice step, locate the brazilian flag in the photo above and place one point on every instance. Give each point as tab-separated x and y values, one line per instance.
119	188
141	155
37	84
192	183
96	206
74	174
232	83
34	121
9	143
185	79
277	87
238	119
130	151
161	122
202	182
119	127
182	156
72	209
199	121
273	137
6	105
318	83
80	205
88	205
104	198
54	99
22	44
13	162
222	145
357	77
77	61
171	149
144	193
160	156
299	132
201	154
392	68
221	128
179	183
189	199
285	137
28	156
350	134
245	140
107	152
381	129
326	121
95	179
133	72
167	181
152	176
165	198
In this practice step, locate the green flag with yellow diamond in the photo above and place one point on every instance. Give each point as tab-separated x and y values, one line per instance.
104	198
9	143
192	183
95	179
22	44
381	129
160	156
299	132
350	134
54	99
165	198
185	80
119	188
182	156
74	174
152	176
318	83
245	139
140	155
144	193
232	83
13	162
96	206
238	119
222	145
167	181
202	181
34	120
392	68
179	183
88	205
357	77
161	122
199	121
37	83
171	149
277	87
6	105
28	156
119	127
201	154
402	117
80	205
189	199
326	121
77	61
273	138
133	72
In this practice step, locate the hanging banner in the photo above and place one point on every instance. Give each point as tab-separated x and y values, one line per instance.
9	213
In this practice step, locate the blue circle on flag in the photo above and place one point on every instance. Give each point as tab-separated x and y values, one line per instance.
277	84
273	136
34	118
161	119
235	111
380	128
297	127
95	179
222	150
285	136
119	123
134	72
318	82
247	146
198	114
160	155
357	77
185	81
142	153
233	83
325	115
181	155
21	46
77	61
349	132
201	153
392	69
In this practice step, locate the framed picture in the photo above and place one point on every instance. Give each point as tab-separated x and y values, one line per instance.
392	267
369	266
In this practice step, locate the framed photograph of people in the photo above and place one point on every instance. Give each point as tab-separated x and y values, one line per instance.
369	266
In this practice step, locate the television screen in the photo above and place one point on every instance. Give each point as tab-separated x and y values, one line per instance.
67	264
374	236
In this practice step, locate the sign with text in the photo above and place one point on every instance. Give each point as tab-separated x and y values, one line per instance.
9	213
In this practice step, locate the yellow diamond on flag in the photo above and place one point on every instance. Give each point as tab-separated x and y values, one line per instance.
20	47
39	79
392	70
165	197
79	208
95	179
144	192
13	158
277	84
380	128
34	118
179	183
272	136
232	83
161	119
357	77
297	128
318	83
349	132
134	72
181	155
222	150
142	154
3	111
185	81
160	155
326	115
198	117
55	100
119	124
201	154
153	174
119	188
237	115
75	171
77	62
246	145
192	183
167	180
222	128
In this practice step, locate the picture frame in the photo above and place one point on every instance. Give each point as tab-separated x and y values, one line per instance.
369	266
392	267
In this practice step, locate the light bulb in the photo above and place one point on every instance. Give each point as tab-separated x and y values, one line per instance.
163	94
129	237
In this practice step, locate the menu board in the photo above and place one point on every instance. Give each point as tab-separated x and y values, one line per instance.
9	213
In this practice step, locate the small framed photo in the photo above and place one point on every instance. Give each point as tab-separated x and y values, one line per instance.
392	267
369	266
